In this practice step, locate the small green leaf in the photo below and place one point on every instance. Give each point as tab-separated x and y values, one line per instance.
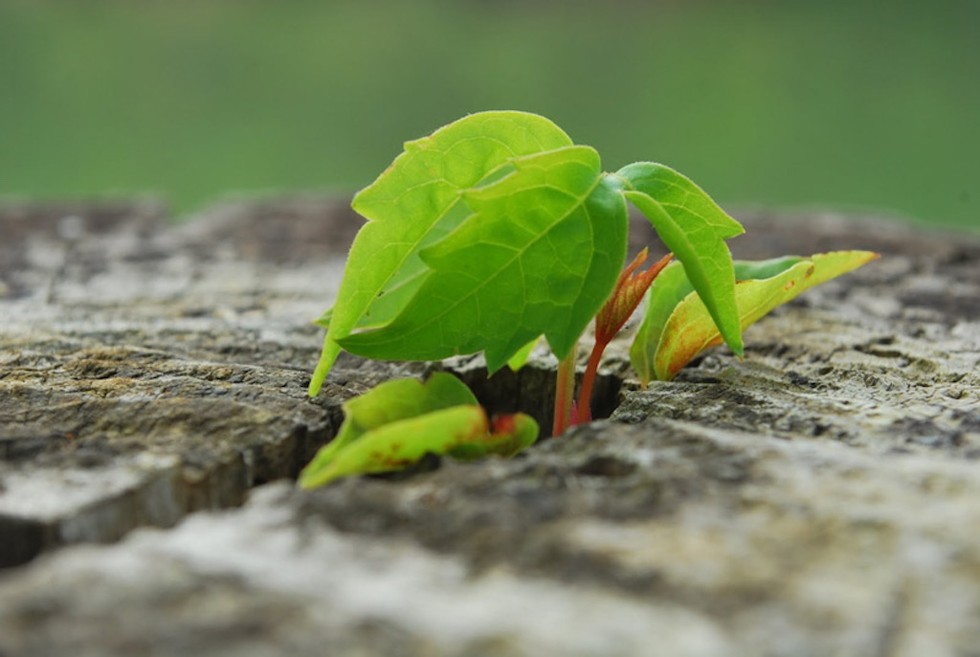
400	444
694	228
411	205
690	328
323	321
668	290
540	255
395	424
751	269
519	360
386	403
510	435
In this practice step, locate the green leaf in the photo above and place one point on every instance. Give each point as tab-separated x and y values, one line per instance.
690	329
668	290
694	228
510	435
519	360
397	423
540	255
323	321
750	269
386	403
400	444
411	205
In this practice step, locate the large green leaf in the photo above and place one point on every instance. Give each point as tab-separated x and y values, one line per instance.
694	228
663	347
540	255
411	205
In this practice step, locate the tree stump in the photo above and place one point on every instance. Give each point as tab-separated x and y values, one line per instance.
818	497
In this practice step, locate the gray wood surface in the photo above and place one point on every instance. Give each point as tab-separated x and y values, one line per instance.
817	498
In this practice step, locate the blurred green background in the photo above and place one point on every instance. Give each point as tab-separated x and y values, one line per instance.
854	105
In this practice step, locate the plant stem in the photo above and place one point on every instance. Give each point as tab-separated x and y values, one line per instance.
565	393
629	290
588	381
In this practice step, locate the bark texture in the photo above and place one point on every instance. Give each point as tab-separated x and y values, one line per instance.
816	498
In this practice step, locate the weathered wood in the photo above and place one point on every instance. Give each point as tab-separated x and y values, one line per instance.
148	370
817	498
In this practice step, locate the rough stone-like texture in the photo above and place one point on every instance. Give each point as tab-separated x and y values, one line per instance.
148	370
817	498
886	359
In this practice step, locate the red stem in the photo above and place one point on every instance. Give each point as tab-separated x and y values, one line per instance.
629	289
588	382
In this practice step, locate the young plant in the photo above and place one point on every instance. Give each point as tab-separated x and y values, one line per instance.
497	229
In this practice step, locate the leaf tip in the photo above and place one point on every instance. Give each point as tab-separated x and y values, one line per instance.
733	338
312	477
327	358
316	383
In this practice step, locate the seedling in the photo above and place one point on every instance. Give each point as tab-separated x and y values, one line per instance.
496	230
